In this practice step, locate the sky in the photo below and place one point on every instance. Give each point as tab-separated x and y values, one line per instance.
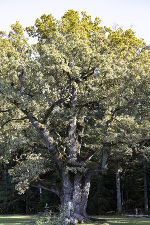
133	14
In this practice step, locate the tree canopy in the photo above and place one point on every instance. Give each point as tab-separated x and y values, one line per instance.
67	101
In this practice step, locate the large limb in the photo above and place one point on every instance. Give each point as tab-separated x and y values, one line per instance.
56	103
42	130
46	137
72	152
48	186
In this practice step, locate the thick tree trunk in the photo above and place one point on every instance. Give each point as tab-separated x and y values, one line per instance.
72	181
77	193
67	201
75	184
75	196
145	187
119	204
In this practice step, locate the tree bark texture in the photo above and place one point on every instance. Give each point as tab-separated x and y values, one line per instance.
75	185
118	189
145	186
105	156
75	196
73	125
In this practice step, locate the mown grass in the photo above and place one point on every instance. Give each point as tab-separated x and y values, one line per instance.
111	220
16	220
122	220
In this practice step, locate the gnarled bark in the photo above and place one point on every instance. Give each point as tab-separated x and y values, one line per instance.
75	196
85	194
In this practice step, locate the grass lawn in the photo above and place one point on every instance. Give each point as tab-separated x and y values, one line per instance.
116	220
16	220
111	220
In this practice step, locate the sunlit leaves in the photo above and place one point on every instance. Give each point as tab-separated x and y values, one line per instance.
109	68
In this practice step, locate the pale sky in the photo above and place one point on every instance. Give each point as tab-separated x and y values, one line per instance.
133	14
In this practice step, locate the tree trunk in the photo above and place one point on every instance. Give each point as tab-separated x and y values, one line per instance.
145	187
119	205
75	196
106	150
27	202
75	184
85	194
67	202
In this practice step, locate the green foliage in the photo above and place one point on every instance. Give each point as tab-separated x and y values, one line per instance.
109	70
51	219
26	171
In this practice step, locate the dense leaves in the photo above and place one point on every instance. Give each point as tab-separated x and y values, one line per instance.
79	89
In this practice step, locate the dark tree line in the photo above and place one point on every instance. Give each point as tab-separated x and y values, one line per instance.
134	179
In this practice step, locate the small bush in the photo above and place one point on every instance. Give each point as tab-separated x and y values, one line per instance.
49	218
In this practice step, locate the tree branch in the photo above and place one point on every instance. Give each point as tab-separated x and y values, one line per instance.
47	189
21	74
40	129
45	135
85	75
10	120
49	111
58	102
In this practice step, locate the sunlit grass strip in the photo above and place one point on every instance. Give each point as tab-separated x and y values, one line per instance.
114	220
16	216
110	220
17	220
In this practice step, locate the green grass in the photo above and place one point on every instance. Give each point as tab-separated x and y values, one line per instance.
16	220
116	220
110	220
